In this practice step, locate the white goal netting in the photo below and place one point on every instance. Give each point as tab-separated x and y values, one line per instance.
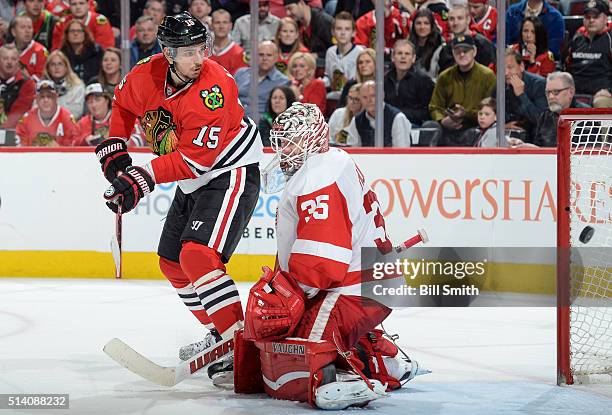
590	263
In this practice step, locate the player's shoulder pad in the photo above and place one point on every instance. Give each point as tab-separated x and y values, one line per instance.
319	171
101	19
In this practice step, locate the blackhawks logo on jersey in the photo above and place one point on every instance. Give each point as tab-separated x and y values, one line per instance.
160	131
213	99
43	139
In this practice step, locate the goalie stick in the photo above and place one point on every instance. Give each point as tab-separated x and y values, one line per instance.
165	375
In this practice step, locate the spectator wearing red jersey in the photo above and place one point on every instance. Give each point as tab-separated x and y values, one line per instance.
533	47
484	18
315	25
32	55
43	21
98	25
306	87
288	41
61	8
93	127
16	92
49	124
396	27
84	55
226	52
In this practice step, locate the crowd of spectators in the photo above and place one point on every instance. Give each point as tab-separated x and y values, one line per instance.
59	65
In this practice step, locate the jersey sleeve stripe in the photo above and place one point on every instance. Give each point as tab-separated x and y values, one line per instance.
196	168
322	250
240	144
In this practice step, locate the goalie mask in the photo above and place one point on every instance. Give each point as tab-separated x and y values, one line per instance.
297	133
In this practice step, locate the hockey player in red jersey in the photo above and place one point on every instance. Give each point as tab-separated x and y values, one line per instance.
188	107
325	216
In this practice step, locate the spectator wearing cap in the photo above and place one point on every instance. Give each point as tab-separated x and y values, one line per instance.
552	19
459	24
69	86
268	25
396	127
93	127
16	91
458	92
98	25
43	21
269	77
49	124
315	25
560	93
483	18
589	56
146	43
406	86
226	52
525	97
78	46
32	55
396	27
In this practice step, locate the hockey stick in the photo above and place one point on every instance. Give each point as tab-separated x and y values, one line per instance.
421	236
116	243
165	375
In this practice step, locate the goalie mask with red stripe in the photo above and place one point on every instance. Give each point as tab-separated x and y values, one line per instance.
296	133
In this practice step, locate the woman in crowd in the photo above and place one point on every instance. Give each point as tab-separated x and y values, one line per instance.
425	35
288	42
306	87
366	71
280	99
110	70
82	52
341	117
69	86
533	46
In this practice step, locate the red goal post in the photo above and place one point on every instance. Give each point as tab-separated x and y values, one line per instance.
584	273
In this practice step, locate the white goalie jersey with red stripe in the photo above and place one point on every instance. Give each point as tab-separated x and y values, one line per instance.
326	214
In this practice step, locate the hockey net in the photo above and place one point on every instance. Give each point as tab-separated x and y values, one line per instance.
584	270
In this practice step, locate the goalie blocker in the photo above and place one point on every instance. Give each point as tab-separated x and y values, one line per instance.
340	363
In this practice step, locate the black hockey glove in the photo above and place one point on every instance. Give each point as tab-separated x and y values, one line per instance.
112	154
128	188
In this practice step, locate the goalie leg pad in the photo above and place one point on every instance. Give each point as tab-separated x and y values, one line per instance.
294	369
380	359
186	292
216	290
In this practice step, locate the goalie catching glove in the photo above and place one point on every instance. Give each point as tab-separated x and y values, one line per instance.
113	156
129	187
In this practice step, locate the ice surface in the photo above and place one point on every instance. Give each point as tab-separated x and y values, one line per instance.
484	360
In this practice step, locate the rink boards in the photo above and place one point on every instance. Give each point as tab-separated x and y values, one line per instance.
53	221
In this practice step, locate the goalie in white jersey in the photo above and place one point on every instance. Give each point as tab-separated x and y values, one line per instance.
311	306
